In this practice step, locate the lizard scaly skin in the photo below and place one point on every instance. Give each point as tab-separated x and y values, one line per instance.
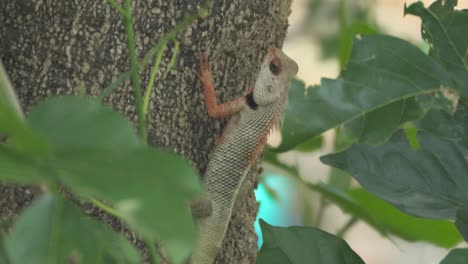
252	118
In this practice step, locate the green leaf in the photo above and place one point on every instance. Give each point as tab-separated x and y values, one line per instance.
297	245
456	256
12	124
55	231
447	126
430	182
461	222
381	70
96	153
149	188
445	31
437	232
386	219
77	122
441	8
378	126
346	38
21	168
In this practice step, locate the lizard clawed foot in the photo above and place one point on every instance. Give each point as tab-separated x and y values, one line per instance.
205	70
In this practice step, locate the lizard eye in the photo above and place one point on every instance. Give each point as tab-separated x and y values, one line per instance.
275	66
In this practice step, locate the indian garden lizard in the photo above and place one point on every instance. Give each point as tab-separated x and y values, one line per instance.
252	117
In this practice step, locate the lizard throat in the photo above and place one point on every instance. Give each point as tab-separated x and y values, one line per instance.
249	99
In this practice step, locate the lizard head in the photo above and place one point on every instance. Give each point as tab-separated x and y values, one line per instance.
272	82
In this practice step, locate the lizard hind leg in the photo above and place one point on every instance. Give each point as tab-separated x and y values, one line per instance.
201	207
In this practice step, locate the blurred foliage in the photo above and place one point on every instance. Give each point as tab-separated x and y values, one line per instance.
334	23
402	123
97	154
57	232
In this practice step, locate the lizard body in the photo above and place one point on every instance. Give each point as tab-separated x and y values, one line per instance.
252	118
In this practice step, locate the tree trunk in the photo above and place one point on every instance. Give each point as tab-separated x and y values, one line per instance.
52	47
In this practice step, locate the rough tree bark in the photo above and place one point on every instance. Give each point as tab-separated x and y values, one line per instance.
52	47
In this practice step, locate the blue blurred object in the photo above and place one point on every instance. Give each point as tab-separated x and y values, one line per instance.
286	210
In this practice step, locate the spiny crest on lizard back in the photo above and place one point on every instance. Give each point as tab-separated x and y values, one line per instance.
276	72
272	87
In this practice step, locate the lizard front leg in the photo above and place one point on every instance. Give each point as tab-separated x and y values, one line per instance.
214	109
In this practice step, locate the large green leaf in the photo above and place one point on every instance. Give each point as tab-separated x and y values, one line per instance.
295	245
96	152
55	231
461	222
456	256
430	182
348	32
441	8
148	187
383	217
12	125
378	126
21	168
445	30
387	219
381	70
437	232
76	122
447	126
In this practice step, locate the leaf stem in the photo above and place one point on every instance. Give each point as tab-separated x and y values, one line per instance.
115	213
154	71
115	5
105	207
353	220
152	251
171	35
134	68
173	58
322	205
7	93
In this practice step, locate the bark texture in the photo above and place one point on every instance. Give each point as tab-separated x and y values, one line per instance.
52	47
